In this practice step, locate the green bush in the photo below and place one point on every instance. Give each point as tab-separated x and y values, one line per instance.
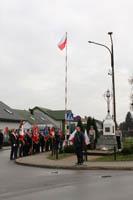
6	143
69	149
127	150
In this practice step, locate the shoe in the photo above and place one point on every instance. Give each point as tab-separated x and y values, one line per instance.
81	163
77	163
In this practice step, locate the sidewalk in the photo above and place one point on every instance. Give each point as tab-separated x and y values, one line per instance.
6	148
40	160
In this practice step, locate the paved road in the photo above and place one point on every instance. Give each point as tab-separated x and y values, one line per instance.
25	183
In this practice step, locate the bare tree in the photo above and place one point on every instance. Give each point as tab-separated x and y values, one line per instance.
131	95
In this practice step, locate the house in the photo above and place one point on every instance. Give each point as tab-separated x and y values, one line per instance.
54	117
30	119
9	118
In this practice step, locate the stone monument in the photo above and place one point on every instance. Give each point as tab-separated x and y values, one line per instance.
107	141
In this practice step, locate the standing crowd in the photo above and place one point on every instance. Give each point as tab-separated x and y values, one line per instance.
34	142
24	143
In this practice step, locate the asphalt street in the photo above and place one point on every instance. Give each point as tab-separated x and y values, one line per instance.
27	183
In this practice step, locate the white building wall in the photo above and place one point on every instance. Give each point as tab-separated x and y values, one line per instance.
26	125
10	125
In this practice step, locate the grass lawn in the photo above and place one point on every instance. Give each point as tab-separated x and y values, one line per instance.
60	156
119	157
127	141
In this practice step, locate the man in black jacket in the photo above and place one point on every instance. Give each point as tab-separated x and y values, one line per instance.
1	139
79	145
14	144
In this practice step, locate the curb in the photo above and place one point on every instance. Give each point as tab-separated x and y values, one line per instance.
5	148
75	167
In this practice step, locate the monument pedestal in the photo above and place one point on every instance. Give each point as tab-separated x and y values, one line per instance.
106	142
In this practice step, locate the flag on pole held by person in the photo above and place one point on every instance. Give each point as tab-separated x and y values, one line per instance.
6	129
45	131
87	140
71	138
62	43
61	133
52	131
35	134
21	131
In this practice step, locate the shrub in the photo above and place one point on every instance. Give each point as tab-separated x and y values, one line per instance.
69	149
127	150
6	143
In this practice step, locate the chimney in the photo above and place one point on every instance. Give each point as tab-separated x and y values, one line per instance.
31	111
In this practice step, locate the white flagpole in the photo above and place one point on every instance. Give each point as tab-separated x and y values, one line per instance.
66	92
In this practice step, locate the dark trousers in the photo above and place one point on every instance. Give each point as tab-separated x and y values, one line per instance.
21	151
36	148
118	142
79	154
42	146
14	151
0	145
25	150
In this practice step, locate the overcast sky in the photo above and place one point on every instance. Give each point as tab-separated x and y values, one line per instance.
32	68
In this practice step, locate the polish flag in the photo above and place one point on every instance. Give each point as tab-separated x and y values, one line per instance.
6	129
71	138
61	133
52	131
21	131
87	140
62	43
35	135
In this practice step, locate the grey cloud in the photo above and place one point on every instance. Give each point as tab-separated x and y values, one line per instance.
32	67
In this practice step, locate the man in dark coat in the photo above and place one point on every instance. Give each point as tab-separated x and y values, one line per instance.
79	145
42	142
29	142
1	139
14	144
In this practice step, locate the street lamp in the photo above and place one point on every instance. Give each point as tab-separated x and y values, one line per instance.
111	51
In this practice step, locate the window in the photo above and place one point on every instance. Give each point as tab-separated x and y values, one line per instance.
8	111
32	118
107	129
42	118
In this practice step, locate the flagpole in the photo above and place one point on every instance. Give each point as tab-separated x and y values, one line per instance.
66	91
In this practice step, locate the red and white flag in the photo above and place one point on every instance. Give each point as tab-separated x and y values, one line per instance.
21	131
6	129
61	133
63	42
71	138
52	131
35	134
87	140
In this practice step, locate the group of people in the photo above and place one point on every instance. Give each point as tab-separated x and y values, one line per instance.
33	142
79	142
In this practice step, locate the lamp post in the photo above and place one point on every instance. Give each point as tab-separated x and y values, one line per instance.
111	51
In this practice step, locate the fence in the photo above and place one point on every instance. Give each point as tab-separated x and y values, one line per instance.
127	138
